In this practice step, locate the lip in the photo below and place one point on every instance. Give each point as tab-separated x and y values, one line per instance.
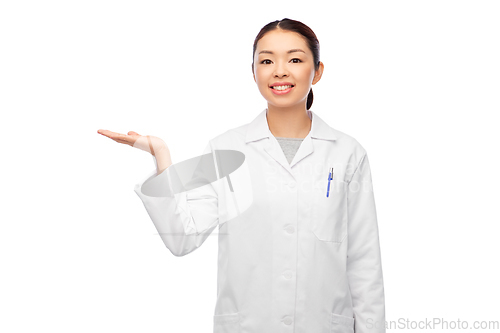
281	92
281	83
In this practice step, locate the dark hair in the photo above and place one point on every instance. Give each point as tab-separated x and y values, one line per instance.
300	28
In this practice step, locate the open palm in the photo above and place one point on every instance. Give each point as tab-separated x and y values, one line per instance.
149	143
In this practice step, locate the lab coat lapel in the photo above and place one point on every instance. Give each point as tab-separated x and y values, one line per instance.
306	148
319	130
273	148
259	129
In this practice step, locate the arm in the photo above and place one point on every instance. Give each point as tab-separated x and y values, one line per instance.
364	266
177	217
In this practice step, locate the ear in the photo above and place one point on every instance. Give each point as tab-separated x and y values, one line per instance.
318	73
253	74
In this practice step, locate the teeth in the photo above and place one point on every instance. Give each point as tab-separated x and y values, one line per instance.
281	87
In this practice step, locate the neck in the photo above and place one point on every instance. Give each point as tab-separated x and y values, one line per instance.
289	122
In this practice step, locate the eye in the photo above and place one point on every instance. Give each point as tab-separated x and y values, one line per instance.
264	61
296	59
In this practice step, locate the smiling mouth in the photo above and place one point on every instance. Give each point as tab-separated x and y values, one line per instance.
281	88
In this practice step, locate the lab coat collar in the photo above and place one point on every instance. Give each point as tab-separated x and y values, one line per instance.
259	129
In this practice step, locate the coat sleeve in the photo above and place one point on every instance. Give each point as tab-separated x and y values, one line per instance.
183	220
364	266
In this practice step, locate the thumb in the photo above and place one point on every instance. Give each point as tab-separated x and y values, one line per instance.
132	133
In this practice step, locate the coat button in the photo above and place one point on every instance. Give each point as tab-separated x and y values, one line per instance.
291	184
290	230
287	275
287	320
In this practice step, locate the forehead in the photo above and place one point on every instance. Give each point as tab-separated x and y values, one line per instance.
280	41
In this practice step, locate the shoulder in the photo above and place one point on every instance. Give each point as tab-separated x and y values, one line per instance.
349	142
343	140
232	138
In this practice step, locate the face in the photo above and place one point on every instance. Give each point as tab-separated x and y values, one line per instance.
274	65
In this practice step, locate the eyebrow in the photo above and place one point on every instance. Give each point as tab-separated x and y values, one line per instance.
290	51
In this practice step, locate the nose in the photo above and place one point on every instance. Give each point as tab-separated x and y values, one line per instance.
280	70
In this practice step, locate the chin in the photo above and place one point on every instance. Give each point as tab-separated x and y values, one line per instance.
283	105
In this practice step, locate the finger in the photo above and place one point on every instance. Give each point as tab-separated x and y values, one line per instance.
102	131
114	135
108	133
126	140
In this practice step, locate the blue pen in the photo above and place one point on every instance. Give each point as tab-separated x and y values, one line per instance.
330	177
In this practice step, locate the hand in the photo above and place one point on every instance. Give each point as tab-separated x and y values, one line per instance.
151	144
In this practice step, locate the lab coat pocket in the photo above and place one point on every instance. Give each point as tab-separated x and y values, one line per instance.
227	323
329	213
342	324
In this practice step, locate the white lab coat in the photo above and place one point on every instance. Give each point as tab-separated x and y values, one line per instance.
290	258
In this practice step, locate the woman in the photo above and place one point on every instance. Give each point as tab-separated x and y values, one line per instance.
298	236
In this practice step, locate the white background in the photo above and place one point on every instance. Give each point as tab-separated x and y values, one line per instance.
417	83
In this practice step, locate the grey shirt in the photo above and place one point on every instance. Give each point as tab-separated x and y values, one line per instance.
289	146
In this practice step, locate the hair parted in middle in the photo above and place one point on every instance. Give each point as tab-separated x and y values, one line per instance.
304	31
